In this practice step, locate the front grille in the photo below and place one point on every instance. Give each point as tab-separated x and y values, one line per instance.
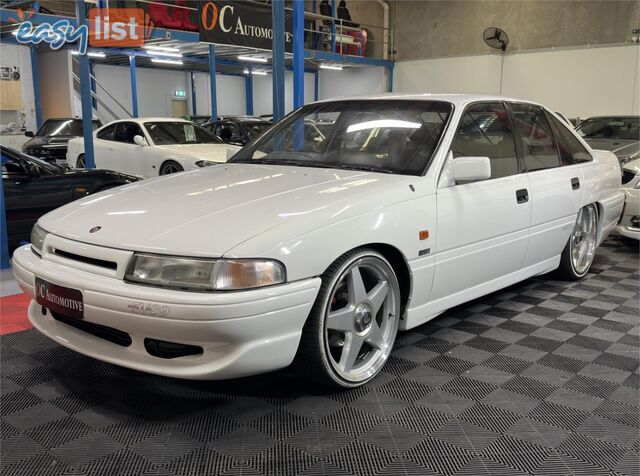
85	259
110	334
627	176
170	350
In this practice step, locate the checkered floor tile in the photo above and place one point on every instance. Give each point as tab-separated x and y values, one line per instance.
540	378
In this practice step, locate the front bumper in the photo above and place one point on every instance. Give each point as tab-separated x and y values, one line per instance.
241	333
628	225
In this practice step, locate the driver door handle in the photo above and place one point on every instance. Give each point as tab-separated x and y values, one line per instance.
522	195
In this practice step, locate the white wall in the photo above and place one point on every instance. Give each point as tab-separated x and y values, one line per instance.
577	82
351	82
20	56
230	94
263	92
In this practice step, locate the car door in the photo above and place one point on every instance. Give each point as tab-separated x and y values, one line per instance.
556	183
483	226
29	194
104	148
128	156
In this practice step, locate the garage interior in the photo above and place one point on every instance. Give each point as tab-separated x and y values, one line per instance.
542	377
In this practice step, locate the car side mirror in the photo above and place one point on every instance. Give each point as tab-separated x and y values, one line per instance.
471	169
139	140
29	134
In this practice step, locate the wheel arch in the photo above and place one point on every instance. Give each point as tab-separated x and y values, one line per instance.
169	159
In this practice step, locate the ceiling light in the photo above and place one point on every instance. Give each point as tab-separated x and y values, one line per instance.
165	49
254	59
93	54
166	61
164	53
331	66
256	73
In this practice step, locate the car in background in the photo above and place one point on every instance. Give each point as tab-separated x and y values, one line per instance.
148	147
198	119
33	187
318	252
50	141
238	130
620	135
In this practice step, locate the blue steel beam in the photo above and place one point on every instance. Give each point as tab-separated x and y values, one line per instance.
92	72
316	80
390	79
277	9
194	103
298	53
212	82
35	75
345	60
248	83
333	26
134	85
85	96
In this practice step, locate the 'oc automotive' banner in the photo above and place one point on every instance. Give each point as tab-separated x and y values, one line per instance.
240	23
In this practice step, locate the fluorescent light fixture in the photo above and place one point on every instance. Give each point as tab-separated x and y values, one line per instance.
331	66
383	123
164	49
164	53
166	61
254	59
256	73
93	54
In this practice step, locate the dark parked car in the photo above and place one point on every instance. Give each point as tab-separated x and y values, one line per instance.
50	141
198	119
33	187
238	130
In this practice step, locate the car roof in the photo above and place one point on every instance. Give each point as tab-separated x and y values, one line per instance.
140	120
95	119
455	99
612	116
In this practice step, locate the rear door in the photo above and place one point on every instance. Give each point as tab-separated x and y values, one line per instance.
483	226
556	183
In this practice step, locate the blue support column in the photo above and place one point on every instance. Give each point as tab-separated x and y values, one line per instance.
316	81
333	26
92	72
298	53
212	82
277	8
248	84
390	78
4	238
134	85
85	95
35	74
194	104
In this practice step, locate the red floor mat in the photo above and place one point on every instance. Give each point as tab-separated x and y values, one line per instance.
13	314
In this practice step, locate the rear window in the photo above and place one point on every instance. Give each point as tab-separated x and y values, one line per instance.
621	128
64	127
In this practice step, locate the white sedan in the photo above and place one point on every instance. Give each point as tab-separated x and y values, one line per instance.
148	147
318	252
629	225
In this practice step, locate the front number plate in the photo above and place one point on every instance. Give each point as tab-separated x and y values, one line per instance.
65	301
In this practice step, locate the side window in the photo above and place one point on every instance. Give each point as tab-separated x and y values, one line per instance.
106	133
12	166
540	151
571	149
485	131
126	131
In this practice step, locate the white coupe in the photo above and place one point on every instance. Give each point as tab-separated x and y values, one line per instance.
148	147
316	252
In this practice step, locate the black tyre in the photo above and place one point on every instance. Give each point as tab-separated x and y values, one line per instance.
353	324
81	163
578	254
170	167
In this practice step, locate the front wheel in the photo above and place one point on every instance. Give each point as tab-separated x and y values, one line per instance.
170	167
353	324
81	162
578	254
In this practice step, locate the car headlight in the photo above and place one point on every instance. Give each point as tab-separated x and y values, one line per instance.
202	274
37	238
204	163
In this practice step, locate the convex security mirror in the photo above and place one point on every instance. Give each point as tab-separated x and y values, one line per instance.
467	169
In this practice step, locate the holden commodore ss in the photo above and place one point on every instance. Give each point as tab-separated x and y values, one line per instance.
316	251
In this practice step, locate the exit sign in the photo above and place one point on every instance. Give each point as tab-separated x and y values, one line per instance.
181	93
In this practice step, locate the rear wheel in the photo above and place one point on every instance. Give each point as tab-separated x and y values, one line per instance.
580	250
81	163
170	167
353	324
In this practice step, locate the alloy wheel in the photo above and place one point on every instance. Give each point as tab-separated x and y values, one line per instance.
583	240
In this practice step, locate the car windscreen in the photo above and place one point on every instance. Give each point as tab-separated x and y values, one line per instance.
392	136
64	127
255	129
621	128
171	133
28	162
